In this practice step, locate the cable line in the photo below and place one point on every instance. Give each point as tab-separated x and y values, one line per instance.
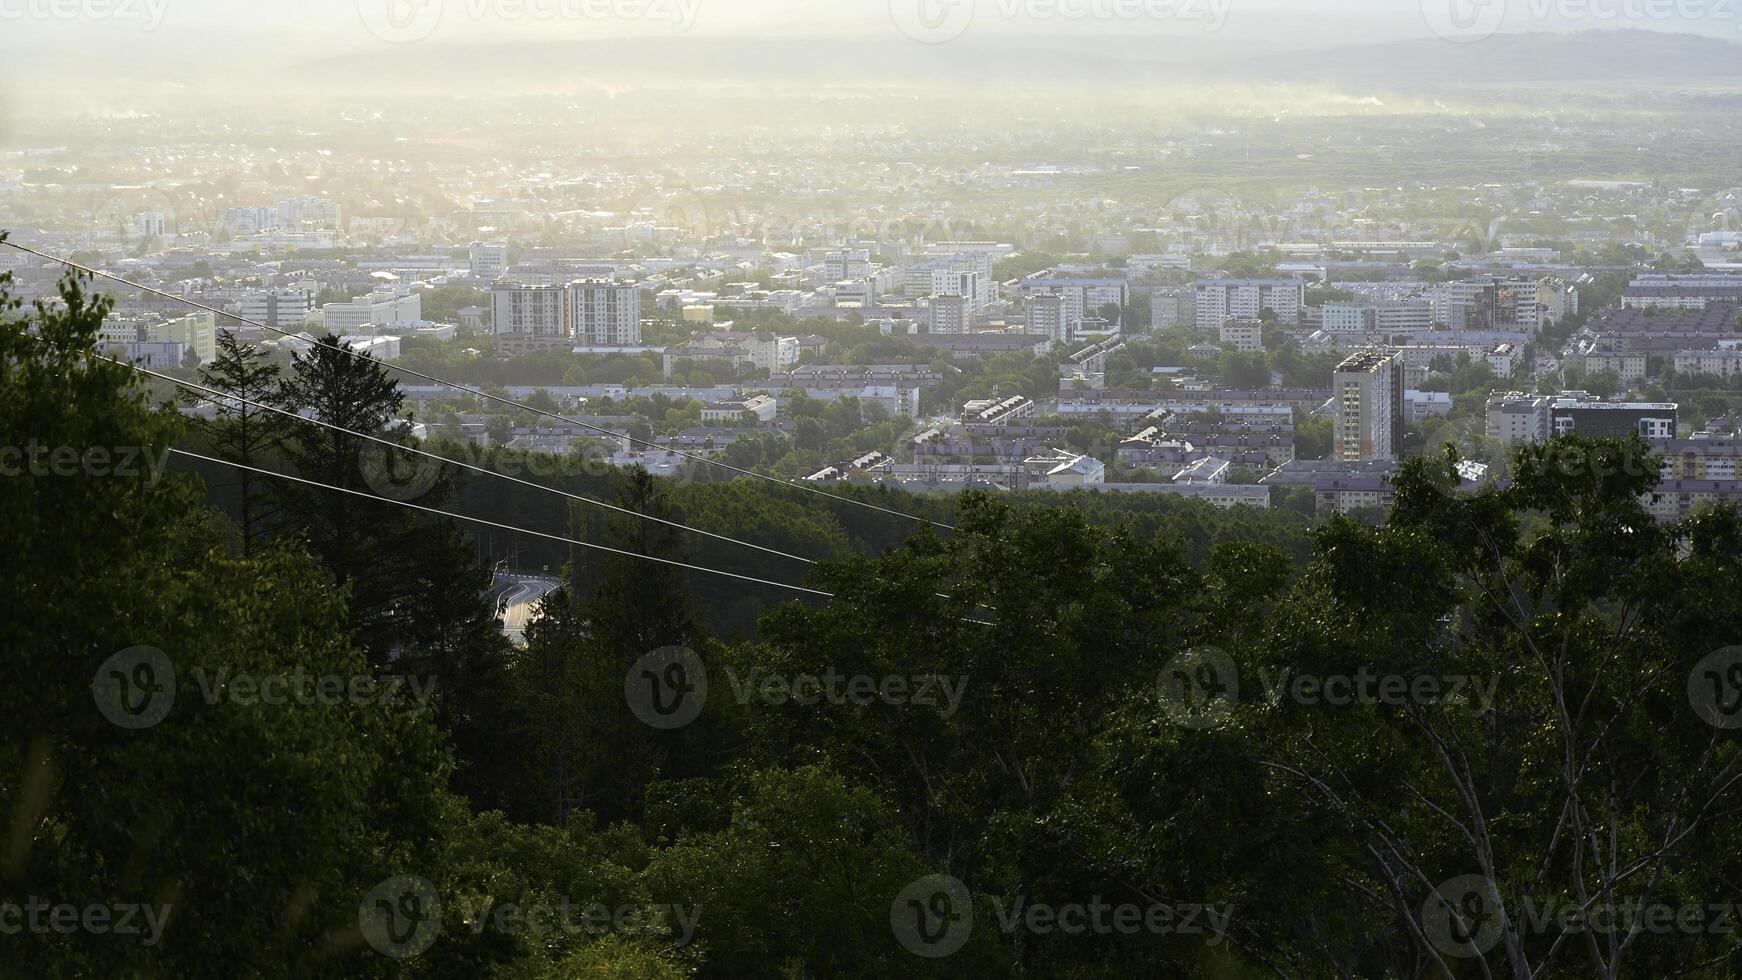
503	527
464	465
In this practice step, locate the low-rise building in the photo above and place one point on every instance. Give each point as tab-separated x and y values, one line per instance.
1246	336
1720	363
989	411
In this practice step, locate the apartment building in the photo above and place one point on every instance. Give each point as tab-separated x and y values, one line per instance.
844	264
604	313
1662	290
1048	314
950	314
527	318
1387	317
1246	336
1516	417
1367	396
1723	363
1219	299
281	308
489	260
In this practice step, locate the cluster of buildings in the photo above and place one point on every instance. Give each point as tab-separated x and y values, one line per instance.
1506	304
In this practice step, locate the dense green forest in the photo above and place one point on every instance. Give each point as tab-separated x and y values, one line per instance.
1044	736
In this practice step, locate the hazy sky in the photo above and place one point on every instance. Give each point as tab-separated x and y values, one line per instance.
145	28
122	55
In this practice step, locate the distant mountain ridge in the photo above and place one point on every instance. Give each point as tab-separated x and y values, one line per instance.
1525	58
1606	55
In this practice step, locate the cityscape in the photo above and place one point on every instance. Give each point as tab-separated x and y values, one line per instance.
1212	489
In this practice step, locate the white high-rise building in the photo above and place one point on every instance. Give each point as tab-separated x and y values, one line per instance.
950	314
1367	397
1048	315
1084	298
526	318
604	313
489	260
1218	299
246	221
847	264
295	213
966	283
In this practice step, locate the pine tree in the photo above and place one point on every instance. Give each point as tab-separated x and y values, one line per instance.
242	432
